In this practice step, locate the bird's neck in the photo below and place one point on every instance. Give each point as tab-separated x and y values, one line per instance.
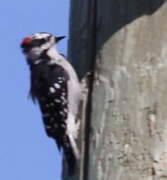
48	56
53	53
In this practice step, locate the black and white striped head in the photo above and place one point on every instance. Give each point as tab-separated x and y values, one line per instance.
34	45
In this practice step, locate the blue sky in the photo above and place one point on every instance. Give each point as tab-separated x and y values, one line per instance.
26	153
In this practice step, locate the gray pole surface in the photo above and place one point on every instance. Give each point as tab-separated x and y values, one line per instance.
124	45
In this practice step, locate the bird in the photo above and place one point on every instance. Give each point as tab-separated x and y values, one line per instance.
55	86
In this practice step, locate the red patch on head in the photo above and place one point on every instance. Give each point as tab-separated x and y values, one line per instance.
26	41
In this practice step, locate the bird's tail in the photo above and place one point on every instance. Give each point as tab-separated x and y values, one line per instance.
71	155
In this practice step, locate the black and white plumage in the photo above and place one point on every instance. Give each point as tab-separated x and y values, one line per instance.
54	84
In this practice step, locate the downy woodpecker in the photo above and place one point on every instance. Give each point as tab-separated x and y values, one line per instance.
55	86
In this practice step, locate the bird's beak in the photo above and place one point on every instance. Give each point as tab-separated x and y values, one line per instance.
57	39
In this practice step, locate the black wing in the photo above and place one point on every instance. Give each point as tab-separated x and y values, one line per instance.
49	87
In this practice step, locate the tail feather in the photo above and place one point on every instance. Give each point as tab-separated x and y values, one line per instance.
71	161
74	147
71	155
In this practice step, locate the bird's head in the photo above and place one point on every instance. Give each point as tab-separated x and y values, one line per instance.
34	45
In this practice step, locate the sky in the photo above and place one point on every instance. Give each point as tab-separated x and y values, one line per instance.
26	153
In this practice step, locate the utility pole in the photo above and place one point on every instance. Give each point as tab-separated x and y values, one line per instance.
124	125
